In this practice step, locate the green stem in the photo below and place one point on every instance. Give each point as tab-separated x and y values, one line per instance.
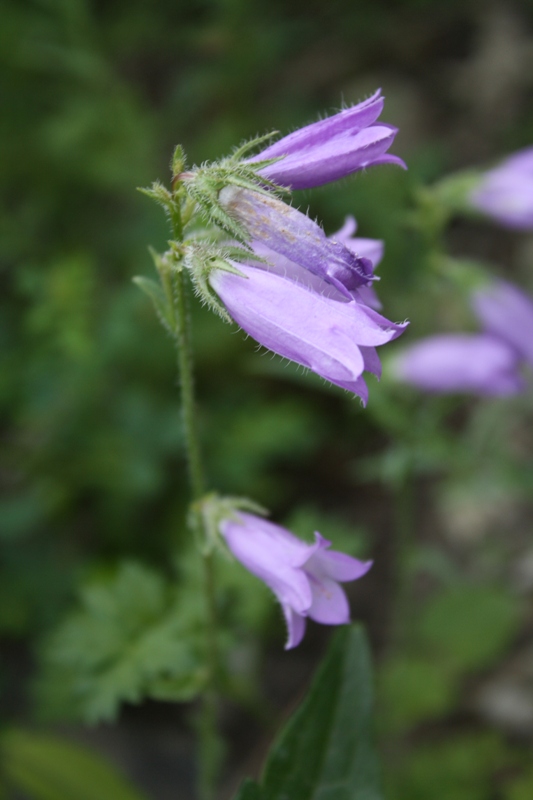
174	284
185	367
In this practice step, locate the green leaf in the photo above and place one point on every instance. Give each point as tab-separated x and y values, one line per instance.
414	689
521	789
325	752
470	626
135	636
157	295
49	768
249	790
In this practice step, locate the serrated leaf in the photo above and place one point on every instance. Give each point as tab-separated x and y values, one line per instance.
249	790
157	295
49	768
135	636
325	752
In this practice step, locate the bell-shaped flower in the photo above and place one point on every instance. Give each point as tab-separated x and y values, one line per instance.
505	193
505	311
473	363
301	317
332	148
287	232
304	577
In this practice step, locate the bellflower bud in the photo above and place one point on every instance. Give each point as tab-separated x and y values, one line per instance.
331	148
506	312
304	577
476	363
293	235
505	193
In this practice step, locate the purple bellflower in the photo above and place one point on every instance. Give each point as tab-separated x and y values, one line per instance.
302	318
506	312
505	193
474	363
304	577
331	148
288	233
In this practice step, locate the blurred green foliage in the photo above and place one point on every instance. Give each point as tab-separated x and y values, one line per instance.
94	98
50	768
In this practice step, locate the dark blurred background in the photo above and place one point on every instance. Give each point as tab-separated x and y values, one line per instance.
95	95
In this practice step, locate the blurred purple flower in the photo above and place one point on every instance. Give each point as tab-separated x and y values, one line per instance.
477	363
332	148
505	193
505	311
290	234
304	577
302	318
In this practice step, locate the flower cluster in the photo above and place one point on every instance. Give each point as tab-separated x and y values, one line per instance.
486	363
306	299
304	577
305	296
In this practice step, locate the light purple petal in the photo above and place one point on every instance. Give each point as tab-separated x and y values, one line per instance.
337	566
368	297
366	248
371	360
350	119
505	193
460	363
506	311
295	627
271	556
329	606
357	387
336	158
347	231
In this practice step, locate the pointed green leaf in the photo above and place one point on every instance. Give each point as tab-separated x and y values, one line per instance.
48	768
157	295
325	752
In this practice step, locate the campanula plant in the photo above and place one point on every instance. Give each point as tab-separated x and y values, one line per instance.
254	258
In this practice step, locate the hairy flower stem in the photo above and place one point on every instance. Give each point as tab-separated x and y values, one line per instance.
174	285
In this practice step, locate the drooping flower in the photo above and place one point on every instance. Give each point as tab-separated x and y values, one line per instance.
476	363
302	318
505	193
332	148
271	223
506	312
304	577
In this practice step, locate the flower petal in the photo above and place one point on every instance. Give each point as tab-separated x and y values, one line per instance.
506	312
330	605
350	119
337	566
505	193
295	627
271	555
460	363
